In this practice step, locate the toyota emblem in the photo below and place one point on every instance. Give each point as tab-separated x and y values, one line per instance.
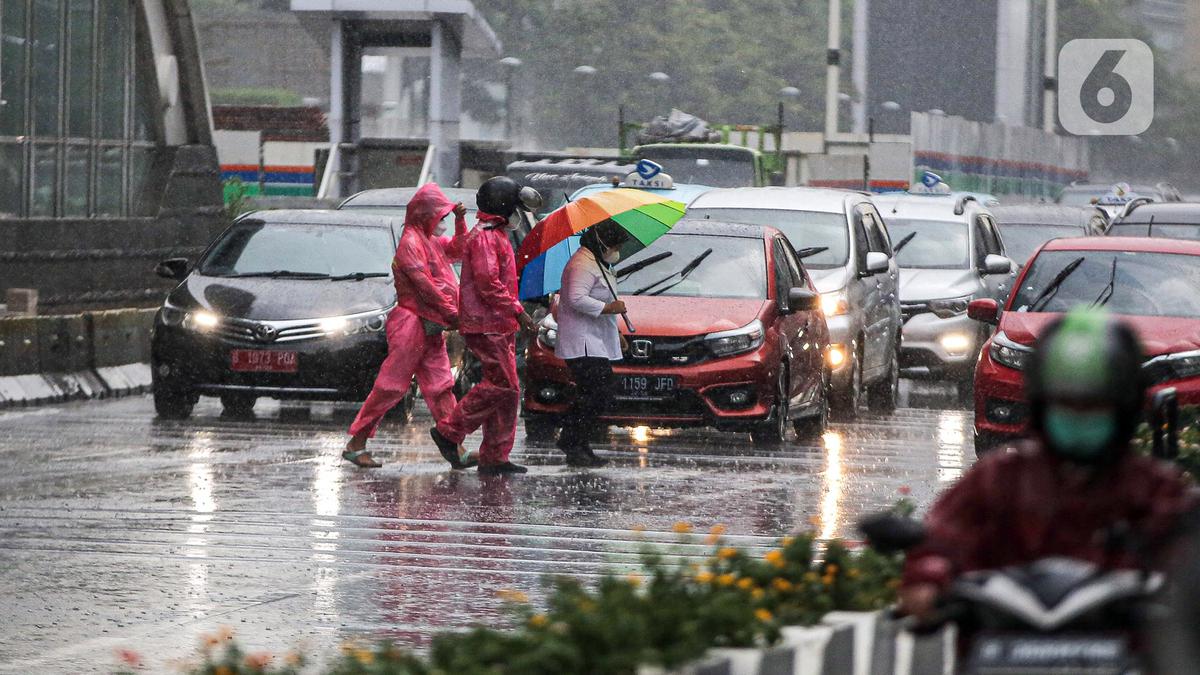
265	333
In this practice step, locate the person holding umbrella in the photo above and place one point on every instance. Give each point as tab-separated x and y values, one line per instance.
571	250
588	339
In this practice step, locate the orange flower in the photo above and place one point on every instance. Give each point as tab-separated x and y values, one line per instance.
538	620
726	579
786	541
130	658
756	593
745	583
853	574
827	579
831	569
681	528
634	580
210	641
225	633
258	661
810	577
717	530
782	585
294	659
509	595
763	615
704	577
726	553
815	521
222	670
364	656
775	558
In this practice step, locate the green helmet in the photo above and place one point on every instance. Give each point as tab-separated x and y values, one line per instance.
1085	386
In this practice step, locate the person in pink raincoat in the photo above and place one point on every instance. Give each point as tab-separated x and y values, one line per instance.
491	314
427	303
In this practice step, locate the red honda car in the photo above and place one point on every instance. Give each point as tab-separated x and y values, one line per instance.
1150	283
729	334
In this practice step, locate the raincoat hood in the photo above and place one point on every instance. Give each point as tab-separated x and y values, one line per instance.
427	208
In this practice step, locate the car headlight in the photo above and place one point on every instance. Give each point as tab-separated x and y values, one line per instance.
1170	367
950	307
548	331
1008	353
171	316
834	304
200	321
736	341
358	324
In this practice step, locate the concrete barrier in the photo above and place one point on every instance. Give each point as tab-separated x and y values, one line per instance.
94	354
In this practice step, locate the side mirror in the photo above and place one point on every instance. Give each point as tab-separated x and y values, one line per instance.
891	533
997	264
175	269
984	310
802	300
877	263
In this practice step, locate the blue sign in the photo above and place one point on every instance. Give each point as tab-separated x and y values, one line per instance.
930	179
647	169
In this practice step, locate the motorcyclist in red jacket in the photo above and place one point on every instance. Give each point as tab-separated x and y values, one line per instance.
1065	490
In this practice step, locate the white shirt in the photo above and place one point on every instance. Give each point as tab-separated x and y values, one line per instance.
582	329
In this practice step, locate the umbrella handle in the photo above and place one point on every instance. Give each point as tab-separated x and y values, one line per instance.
612	290
627	324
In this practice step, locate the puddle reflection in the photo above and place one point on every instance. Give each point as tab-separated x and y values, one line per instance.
831	485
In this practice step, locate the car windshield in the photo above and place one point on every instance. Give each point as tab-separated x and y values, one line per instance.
938	244
1020	240
1081	197
804	229
258	248
1124	282
722	267
1165	230
716	169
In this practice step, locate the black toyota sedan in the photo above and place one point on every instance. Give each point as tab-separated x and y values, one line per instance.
283	304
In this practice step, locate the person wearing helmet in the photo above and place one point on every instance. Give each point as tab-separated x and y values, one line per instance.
1063	491
426	305
489	316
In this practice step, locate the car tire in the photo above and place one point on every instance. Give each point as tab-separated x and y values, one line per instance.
884	395
848	402
402	412
238	405
773	431
813	427
540	430
172	403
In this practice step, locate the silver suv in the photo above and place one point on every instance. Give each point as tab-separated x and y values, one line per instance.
844	245
950	253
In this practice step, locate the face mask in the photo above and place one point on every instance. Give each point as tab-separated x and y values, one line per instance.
1079	435
611	256
440	228
514	221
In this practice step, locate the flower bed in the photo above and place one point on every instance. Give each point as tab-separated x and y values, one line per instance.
664	616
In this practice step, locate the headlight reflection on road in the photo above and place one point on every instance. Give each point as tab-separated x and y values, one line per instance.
204	503
951	444
831	488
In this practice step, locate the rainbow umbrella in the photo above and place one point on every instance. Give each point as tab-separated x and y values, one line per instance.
548	247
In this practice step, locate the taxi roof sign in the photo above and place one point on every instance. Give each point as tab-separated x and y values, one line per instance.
931	184
648	174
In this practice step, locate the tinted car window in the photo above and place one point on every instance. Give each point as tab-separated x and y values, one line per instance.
803	229
876	237
938	244
1165	230
723	267
1145	284
255	247
784	279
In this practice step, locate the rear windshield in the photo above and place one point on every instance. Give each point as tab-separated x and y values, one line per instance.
721	267
804	229
255	247
1020	241
1165	230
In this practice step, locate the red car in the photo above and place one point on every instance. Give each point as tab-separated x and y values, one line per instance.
1150	283
729	334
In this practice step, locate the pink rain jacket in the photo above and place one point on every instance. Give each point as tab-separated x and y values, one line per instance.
425	281
488	296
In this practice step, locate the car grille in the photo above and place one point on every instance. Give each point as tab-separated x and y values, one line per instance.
664	351
910	309
269	332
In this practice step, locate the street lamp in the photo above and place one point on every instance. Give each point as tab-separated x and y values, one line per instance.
510	63
891	106
584	70
660	77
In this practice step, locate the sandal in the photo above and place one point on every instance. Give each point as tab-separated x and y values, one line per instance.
356	458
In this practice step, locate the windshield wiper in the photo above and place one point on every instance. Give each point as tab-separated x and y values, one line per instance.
1106	294
359	276
1051	288
903	242
642	264
683	274
810	251
280	274
686	270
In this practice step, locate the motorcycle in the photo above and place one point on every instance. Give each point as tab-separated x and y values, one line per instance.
1054	615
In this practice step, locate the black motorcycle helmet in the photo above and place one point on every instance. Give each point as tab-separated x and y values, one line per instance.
498	196
1086	360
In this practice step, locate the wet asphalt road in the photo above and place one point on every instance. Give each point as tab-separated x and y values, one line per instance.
119	531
